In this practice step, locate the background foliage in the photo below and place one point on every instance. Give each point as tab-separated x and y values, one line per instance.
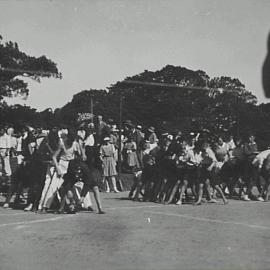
229	108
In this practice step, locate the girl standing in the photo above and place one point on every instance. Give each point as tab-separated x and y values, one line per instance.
108	159
130	148
68	149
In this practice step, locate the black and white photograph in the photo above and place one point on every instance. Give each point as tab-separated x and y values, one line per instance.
134	134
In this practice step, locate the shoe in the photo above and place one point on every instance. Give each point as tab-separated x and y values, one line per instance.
212	201
197	203
59	212
71	209
90	209
42	211
116	190
6	205
260	199
179	202
28	208
101	212
107	191
19	201
246	198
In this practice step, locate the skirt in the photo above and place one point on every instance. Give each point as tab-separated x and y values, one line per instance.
109	166
52	184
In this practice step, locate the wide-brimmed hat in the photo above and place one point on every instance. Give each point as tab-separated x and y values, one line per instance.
128	122
114	129
91	125
151	129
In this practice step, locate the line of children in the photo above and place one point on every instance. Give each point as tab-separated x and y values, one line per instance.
221	170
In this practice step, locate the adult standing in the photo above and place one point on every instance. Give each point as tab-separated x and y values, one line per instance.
137	136
8	147
11	145
152	138
101	129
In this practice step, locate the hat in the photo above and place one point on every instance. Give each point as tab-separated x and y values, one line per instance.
151	129
91	125
106	139
30	128
114	129
139	127
128	123
165	134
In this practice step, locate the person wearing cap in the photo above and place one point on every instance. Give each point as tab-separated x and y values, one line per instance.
192	140
130	155
108	158
152	137
137	136
114	136
101	129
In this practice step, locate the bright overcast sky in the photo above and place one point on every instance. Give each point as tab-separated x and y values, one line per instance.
96	43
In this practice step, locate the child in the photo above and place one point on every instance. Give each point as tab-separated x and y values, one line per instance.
130	149
79	171
209	171
108	159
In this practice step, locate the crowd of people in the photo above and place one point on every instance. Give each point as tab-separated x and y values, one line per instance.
57	166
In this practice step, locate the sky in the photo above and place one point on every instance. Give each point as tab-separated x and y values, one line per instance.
97	43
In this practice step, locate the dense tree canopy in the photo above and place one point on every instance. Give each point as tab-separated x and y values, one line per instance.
215	109
15	65
221	104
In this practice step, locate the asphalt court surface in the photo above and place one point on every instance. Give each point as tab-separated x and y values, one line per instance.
138	235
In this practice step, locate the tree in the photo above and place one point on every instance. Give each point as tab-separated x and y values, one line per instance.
184	109
16	65
82	102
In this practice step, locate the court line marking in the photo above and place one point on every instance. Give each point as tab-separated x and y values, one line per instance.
32	221
135	207
253	226
12	214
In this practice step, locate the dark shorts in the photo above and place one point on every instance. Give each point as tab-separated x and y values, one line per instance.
87	176
233	169
213	176
187	172
149	174
168	170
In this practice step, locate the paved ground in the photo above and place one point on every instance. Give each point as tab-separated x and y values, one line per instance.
135	235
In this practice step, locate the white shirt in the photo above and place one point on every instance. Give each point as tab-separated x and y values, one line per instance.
8	141
81	134
90	140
